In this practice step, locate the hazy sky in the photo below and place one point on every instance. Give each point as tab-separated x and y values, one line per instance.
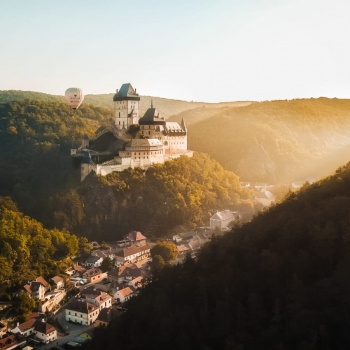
200	50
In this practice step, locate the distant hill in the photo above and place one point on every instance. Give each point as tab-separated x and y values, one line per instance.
275	141
279	282
166	107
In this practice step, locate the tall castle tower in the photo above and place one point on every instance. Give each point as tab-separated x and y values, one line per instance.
126	106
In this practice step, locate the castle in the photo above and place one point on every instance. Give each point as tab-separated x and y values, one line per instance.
131	141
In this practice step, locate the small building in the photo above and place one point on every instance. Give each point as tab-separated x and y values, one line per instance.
136	238
38	327
223	219
93	275
37	288
133	254
82	312
12	341
58	282
94	261
124	294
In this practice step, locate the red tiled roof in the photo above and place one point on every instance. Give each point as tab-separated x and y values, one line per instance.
42	281
126	291
132	250
135	236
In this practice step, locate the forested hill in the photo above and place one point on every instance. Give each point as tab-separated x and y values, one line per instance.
28	249
280	282
274	141
166	107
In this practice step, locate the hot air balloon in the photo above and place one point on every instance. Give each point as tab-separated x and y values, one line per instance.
74	97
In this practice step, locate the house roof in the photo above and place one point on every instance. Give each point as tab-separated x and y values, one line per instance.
79	268
44	327
42	281
57	279
27	288
92	272
105	315
92	259
151	117
82	306
27	325
129	270
8	342
126	291
128	251
135	236
137	281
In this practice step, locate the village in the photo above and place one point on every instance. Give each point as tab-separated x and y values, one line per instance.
91	293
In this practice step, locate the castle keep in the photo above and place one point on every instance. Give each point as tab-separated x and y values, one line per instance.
118	147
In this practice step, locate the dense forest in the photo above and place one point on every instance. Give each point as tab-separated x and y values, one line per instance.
274	141
28	250
185	191
278	282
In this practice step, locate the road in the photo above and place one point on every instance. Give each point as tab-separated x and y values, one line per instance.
72	330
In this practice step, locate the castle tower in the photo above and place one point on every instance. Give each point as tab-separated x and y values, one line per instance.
126	106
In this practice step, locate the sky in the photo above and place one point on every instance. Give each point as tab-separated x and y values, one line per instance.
192	50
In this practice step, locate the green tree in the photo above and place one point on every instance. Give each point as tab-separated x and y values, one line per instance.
107	264
167	250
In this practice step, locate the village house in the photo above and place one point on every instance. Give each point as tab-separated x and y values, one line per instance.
37	288
96	297
93	275
38	327
12	341
82	312
133	254
124	294
58	282
93	261
223	219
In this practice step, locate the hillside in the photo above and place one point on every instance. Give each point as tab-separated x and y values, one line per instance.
276	141
28	249
166	107
183	192
278	282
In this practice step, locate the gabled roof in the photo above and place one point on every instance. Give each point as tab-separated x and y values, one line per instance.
105	315
27	325
42	281
151	117
82	306
125	292
43	327
135	236
57	279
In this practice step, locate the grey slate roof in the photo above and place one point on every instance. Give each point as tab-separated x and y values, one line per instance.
126	92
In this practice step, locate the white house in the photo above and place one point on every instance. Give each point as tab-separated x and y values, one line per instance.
93	261
223	219
124	294
82	312
38	327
